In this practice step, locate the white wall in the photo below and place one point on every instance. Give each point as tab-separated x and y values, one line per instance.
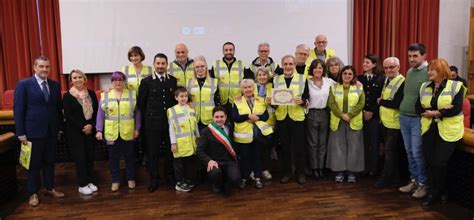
454	32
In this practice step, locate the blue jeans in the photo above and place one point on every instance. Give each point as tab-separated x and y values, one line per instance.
410	127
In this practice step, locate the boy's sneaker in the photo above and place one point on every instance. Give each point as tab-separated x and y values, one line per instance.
182	187
252	176
410	187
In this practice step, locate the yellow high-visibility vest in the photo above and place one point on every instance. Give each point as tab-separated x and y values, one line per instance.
271	111
185	128
353	98
119	116
203	98
391	117
182	77
229	82
296	112
451	129
134	79
329	53
243	131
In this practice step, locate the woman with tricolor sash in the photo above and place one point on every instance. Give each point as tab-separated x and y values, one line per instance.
250	131
215	149
442	126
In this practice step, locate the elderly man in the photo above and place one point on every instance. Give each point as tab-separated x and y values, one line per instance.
392	95
320	51
182	68
263	60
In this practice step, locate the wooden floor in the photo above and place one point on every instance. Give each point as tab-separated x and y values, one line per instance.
314	200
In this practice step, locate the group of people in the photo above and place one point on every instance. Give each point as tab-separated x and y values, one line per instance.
222	122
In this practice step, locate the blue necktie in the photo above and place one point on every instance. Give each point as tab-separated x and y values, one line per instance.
45	91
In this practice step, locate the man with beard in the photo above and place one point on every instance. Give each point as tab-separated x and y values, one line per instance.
229	71
155	96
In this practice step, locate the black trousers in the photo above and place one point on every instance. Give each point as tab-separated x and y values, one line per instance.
392	143
227	171
82	152
182	167
292	145
42	160
437	153
158	145
371	143
250	159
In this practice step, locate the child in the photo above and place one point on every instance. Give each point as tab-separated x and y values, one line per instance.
183	132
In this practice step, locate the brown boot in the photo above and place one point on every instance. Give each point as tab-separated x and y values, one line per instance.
55	194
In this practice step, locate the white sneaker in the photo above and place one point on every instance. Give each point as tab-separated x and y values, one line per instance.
85	190
252	176
266	175
92	187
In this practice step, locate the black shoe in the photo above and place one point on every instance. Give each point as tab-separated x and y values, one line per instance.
315	174
301	179
243	183
444	198
381	183
152	187
285	179
216	189
429	201
321	173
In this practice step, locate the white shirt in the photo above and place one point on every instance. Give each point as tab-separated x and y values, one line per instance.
318	97
40	81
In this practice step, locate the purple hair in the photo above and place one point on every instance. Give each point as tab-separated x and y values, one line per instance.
117	75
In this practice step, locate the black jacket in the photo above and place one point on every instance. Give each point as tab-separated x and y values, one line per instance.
154	98
209	148
372	90
75	120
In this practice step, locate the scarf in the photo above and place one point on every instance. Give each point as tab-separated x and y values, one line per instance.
84	99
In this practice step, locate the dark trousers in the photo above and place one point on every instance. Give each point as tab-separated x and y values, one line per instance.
122	148
392	143
158	145
182	167
228	109
371	144
250	159
82	152
227	169
42	159
267	146
292	145
437	153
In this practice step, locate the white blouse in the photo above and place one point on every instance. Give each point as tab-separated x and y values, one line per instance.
318	97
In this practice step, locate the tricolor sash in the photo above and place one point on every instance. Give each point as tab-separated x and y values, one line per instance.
222	137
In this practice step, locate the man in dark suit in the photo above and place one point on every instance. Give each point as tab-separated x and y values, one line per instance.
38	116
215	150
155	96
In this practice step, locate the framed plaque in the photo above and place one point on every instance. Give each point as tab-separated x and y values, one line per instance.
282	97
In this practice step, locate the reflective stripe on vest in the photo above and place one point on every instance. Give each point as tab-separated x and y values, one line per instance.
118	123
243	131
451	129
297	84
203	98
353	98
229	85
268	67
391	117
182	76
185	127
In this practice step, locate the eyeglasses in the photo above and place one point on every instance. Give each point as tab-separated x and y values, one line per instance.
263	51
334	64
389	67
348	73
303	54
321	42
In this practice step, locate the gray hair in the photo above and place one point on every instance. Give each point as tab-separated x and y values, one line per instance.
335	60
245	82
394	59
263	69
288	56
264	44
303	46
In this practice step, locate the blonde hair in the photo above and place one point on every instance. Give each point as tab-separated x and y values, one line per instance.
78	72
245	82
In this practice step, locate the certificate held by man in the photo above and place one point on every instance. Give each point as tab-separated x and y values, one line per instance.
282	96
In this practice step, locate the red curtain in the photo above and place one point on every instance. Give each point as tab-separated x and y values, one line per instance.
388	27
20	41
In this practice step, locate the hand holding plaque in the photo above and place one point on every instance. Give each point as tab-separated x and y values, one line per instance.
282	97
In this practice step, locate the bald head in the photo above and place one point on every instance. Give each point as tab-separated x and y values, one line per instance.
181	52
320	42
